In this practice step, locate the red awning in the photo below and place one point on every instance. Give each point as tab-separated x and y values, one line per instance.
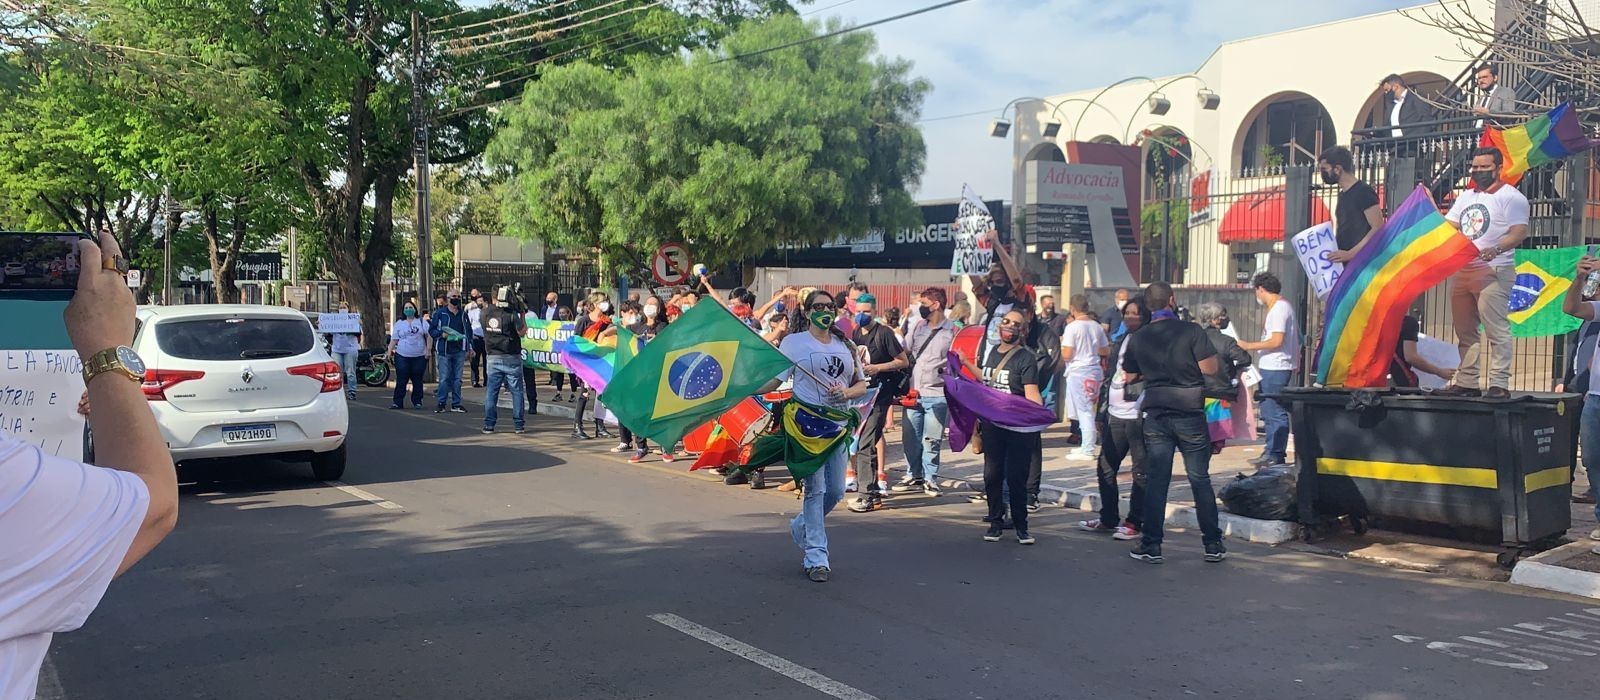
1258	216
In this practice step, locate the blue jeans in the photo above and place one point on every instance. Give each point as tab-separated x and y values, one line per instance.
1164	434
408	370
504	371
1273	413
924	433
1589	438
347	365
449	365
824	489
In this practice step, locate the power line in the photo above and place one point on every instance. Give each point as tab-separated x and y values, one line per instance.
507	18
846	30
956	116
553	32
465	40
824	9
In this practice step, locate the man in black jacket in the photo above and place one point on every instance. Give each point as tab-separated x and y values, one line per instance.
502	339
1402	106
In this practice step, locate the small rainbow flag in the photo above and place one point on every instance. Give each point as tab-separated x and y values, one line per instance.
1548	137
1416	249
596	362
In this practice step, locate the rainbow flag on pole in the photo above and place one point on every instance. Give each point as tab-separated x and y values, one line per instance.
1416	249
1548	137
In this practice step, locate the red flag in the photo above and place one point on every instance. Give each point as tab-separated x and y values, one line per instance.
720	450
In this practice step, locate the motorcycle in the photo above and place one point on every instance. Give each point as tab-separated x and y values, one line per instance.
372	368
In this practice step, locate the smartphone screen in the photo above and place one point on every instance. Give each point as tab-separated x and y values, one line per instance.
38	261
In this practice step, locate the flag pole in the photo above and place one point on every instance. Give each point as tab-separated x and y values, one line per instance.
753	332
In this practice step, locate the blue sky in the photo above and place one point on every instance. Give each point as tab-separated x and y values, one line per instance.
981	54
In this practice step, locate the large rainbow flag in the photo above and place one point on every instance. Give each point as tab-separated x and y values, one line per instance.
1548	137
1416	249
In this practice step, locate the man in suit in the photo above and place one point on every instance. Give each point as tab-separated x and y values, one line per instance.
552	305
1496	99
1402	106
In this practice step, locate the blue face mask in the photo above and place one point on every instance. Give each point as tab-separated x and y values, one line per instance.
410	312
863	319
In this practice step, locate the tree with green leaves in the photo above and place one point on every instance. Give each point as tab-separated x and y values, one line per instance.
733	156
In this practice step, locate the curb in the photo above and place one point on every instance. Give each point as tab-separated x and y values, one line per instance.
1182	516
1544	571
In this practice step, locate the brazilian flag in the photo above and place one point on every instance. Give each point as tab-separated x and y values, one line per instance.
693	371
809	437
1543	278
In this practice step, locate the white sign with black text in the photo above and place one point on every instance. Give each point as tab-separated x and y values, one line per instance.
1313	246
973	256
39	392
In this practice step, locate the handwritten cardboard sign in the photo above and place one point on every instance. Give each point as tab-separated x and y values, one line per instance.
339	323
972	254
1313	246
39	392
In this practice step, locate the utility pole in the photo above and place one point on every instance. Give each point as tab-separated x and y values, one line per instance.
420	115
166	245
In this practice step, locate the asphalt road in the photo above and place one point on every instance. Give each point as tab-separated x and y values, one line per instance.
465	565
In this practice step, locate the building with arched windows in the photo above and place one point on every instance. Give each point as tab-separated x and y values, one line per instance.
1251	110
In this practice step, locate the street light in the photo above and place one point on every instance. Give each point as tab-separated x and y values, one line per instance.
1159	105
1000	127
1053	127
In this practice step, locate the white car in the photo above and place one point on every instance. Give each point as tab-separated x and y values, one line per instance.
235	380
16	269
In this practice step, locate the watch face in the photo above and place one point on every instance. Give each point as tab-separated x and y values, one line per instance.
130	360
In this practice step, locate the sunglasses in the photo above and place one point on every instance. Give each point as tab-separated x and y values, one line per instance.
821	306
1008	323
476	298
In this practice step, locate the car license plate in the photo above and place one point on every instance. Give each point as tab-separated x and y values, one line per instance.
249	433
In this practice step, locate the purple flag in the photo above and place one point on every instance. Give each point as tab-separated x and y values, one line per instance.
970	401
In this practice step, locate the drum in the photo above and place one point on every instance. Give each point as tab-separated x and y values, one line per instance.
777	397
746	420
967	343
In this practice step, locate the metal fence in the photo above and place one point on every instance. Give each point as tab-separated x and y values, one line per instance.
569	280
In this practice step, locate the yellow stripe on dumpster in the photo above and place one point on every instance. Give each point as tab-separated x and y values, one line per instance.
1543	479
1415	473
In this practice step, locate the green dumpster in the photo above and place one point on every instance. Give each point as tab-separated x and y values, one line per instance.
1495	466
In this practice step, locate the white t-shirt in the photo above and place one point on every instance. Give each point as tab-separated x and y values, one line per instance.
66	528
411	337
1280	318
345	343
1594	358
1119	406
475	316
1086	338
1486	218
828	361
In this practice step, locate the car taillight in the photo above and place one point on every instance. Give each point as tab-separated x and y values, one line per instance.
328	373
158	381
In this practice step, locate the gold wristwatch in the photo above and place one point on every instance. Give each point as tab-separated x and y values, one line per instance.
120	360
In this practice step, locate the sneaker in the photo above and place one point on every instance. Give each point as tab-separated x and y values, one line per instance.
667	457
416	407
1594	534
638	456
979	497
571	398
620	447
907	484
601	432
1081	456
520	430
488	431
850	485
457	409
736	477
1497	392
440	409
818	574
1261	460
932	489
994	532
758	480
553	399
1095	525
883	485
351	396
1147	553
1215	552
1033	505
394	407
1125	532
1023	537
867	503
578	434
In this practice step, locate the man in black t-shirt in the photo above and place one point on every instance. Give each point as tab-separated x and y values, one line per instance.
883	359
1357	214
1172	358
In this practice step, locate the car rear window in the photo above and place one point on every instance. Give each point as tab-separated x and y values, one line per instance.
234	338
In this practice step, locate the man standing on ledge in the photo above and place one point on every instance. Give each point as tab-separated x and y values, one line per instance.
1495	216
1172	358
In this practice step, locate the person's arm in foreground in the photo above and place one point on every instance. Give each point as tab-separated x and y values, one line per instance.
101	316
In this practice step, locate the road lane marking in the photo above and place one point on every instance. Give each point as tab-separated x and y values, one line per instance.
364	495
773	662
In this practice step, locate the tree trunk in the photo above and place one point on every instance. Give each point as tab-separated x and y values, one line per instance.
224	252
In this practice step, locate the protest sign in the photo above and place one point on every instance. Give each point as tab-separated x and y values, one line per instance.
1313	246
972	254
39	392
339	323
542	346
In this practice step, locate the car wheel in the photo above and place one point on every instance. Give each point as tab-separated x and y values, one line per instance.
328	466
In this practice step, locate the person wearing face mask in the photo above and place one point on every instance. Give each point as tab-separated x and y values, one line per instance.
502	337
559	379
882	358
1121	436
1280	355
652	320
997	291
591	326
1009	366
832	377
1056	322
475	306
1358	213
1401	106
928	347
1084	346
451	331
1111	318
631	317
346	350
1494	215
409	346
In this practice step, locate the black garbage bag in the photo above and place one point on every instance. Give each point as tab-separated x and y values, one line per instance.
1268	494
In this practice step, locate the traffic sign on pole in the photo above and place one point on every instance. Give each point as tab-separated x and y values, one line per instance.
671	264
